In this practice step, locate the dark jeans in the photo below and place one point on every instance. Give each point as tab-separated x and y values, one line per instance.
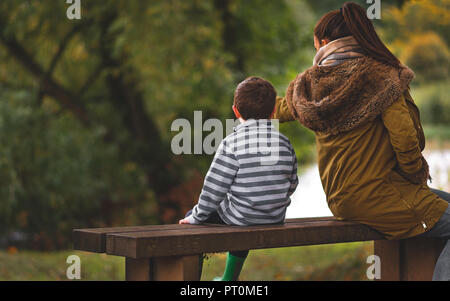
215	219
442	230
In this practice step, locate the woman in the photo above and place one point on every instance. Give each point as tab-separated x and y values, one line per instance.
369	138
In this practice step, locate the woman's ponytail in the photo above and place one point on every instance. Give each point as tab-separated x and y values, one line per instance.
352	19
363	31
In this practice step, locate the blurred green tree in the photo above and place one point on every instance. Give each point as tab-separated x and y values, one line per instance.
401	24
87	104
428	55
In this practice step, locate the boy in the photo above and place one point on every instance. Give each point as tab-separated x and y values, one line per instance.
253	173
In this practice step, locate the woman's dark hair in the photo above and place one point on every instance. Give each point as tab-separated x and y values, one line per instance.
352	19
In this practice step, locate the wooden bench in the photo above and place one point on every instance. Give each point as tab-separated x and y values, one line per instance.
171	252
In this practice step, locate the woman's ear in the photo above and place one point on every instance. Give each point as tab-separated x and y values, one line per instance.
323	42
320	43
236	112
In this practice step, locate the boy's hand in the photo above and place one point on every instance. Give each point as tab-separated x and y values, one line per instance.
184	221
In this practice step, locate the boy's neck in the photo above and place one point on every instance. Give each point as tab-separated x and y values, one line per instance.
242	120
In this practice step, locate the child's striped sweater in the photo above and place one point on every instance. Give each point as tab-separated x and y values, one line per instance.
251	178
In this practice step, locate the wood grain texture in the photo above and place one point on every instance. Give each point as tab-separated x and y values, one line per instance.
138	269
173	268
171	252
189	241
389	253
410	259
94	239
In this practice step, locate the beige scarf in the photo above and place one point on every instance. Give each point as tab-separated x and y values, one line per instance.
338	51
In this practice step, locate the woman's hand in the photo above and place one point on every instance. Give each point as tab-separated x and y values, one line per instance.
183	221
281	110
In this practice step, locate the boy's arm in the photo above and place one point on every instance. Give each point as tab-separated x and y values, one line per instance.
294	177
217	183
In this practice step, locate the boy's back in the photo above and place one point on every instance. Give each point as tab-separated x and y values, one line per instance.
253	173
251	177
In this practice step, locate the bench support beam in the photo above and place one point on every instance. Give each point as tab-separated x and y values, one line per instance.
410	259
170	268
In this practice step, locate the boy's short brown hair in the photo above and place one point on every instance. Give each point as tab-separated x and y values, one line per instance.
254	98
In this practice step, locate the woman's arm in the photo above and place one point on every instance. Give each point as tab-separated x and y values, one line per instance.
403	136
415	115
282	111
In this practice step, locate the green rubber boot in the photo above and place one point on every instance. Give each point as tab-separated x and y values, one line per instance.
232	269
200	265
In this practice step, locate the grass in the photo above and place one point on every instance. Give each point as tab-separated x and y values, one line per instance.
44	266
345	261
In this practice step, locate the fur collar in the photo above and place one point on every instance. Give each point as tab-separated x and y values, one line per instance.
337	99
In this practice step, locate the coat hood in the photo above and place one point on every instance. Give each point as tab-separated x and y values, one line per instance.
335	99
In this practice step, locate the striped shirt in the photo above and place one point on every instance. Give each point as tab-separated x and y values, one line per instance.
251	178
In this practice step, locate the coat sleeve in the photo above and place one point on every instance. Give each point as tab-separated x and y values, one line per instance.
282	111
415	115
403	137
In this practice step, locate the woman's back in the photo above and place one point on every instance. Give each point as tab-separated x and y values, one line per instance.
369	143
358	158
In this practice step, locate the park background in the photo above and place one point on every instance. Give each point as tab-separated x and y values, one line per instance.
86	108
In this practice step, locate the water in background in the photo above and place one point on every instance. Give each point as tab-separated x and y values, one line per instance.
309	199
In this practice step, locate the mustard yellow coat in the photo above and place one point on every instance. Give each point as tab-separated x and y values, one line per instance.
359	170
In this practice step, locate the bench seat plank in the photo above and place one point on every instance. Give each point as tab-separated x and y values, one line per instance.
94	239
191	239
171	252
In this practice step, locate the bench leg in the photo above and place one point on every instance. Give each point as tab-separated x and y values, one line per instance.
171	268
137	269
410	259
